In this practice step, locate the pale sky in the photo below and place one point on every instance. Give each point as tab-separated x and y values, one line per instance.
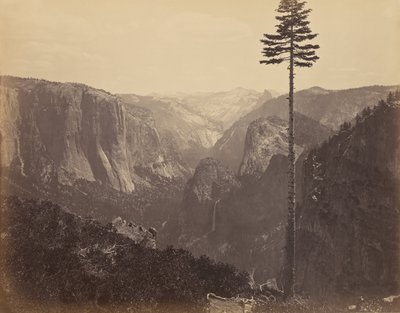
144	46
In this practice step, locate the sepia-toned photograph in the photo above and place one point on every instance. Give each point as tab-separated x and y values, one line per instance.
199	156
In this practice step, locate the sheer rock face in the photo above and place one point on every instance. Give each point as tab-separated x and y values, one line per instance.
67	131
265	137
210	180
348	239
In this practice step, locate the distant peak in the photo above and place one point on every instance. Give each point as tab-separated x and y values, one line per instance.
242	90
317	90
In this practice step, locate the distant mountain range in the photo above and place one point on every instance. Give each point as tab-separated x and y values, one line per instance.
328	107
197	121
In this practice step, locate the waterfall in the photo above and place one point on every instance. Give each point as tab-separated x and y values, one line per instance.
214	216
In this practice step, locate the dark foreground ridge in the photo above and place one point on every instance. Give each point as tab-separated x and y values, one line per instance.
52	257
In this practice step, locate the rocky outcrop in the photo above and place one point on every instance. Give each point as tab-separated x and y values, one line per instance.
265	137
348	237
63	132
211	182
135	232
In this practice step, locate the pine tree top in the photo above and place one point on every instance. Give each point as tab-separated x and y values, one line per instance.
292	32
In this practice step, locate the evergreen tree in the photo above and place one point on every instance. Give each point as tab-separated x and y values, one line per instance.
289	44
393	98
390	98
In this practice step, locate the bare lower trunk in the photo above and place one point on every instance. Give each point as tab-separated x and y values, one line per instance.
291	221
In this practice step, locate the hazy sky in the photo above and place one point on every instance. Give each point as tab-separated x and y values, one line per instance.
145	46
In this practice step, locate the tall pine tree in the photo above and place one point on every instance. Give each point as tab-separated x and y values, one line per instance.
289	44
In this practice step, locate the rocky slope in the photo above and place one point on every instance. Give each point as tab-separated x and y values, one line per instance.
329	108
348	238
70	131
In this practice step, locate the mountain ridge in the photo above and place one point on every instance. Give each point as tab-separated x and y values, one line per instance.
330	108
198	120
348	220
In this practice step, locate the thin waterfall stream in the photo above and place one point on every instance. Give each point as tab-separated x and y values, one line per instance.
214	216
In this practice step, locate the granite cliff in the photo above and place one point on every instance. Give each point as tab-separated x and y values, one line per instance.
267	136
64	132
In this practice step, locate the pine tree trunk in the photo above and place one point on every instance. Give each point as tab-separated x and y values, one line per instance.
291	222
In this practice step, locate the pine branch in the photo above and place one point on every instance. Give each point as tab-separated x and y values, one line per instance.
302	23
306	47
277	37
303	64
302	30
268	42
304	13
307	54
306	58
276	50
301	38
272	61
271	53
